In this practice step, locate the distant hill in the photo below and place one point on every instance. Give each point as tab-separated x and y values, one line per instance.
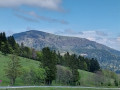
107	57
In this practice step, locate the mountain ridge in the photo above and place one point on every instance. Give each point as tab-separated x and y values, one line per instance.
39	39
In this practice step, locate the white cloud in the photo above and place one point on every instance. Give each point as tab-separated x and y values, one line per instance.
68	32
26	18
118	39
47	4
100	33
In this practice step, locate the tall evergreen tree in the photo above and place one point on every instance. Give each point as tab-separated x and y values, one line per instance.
67	61
49	63
75	77
12	42
3	40
59	59
73	62
94	65
5	48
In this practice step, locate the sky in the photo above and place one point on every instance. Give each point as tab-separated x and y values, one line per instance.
96	20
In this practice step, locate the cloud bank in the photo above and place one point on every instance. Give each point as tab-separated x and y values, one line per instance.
35	17
47	4
97	36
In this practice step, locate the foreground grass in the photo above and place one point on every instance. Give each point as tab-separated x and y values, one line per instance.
51	88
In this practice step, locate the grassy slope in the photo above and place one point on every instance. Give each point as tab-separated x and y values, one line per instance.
90	79
86	78
26	63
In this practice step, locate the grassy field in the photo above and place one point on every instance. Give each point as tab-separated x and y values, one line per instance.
26	63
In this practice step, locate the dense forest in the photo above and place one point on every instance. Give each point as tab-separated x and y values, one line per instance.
51	64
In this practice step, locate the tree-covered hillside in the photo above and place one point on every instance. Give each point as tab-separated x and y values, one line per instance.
107	57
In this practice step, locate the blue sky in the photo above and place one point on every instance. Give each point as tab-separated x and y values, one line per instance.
96	20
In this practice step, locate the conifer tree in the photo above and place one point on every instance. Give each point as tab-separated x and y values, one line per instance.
49	63
12	42
94	65
75	77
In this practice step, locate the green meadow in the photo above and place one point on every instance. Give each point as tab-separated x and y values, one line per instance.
26	63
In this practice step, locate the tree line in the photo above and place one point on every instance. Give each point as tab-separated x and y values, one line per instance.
8	45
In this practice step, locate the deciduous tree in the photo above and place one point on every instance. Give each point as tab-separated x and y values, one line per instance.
13	69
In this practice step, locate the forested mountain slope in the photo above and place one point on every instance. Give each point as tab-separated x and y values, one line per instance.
107	57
